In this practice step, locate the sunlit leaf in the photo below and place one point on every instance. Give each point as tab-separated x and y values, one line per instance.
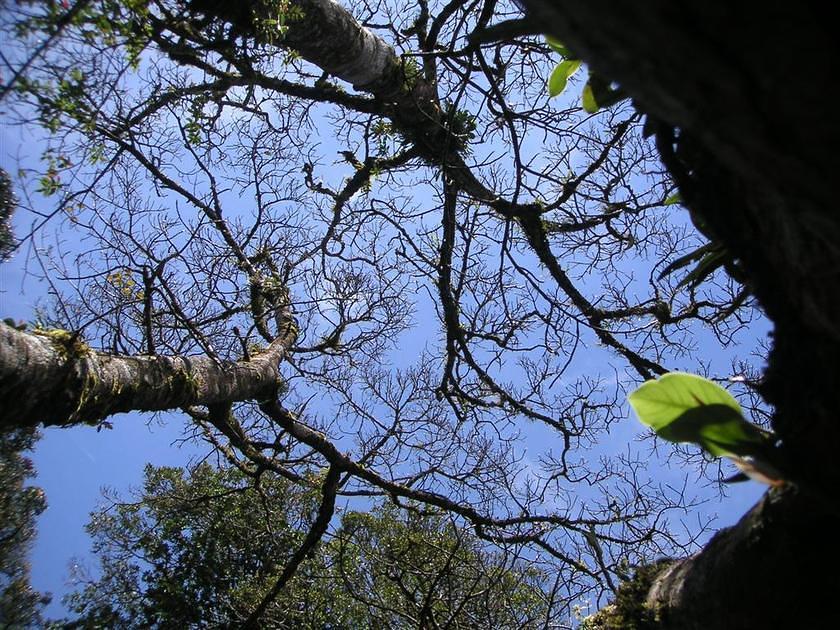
599	93
673	200
659	402
560	76
688	408
590	105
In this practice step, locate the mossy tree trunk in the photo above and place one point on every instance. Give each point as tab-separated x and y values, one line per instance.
56	379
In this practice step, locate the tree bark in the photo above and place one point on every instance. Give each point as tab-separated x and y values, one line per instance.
55	379
750	137
324	33
768	571
755	144
328	36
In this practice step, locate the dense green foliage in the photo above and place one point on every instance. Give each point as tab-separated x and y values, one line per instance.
20	605
200	548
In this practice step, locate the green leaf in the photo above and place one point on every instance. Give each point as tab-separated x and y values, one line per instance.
660	402
673	200
590	105
688	408
599	93
560	76
710	263
557	46
717	428
684	261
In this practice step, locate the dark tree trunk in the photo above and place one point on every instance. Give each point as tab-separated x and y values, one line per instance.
773	569
749	134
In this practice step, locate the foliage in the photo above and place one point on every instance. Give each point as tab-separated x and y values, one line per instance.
597	93
20	504
278	15
418	569
562	72
629	611
201	547
7	207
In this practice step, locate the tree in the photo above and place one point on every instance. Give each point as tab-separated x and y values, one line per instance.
750	152
510	233
20	604
417	569
7	206
201	547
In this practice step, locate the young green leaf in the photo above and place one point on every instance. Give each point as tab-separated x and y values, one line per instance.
717	428
673	200
557	46
560	76
590	105
599	93
688	408
659	402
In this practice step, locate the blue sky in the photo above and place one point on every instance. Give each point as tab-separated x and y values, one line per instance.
74	465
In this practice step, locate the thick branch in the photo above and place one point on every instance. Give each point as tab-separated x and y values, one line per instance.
752	156
332	39
753	575
327	35
53	378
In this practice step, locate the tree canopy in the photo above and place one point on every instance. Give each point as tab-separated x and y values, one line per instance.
362	250
201	548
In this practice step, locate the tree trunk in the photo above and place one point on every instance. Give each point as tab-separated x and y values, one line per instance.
322	32
769	571
56	379
744	86
327	35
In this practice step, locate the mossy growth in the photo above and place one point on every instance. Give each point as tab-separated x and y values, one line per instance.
629	610
69	345
412	73
461	125
87	408
255	348
271	19
184	381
